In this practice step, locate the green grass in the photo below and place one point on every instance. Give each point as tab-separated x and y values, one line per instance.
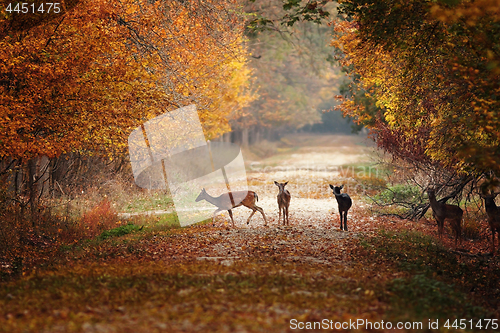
436	284
154	201
428	298
119	231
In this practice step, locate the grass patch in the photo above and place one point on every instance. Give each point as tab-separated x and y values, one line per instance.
438	282
154	200
119	231
427	298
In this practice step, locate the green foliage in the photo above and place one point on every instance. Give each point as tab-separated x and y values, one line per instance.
293	11
154	200
313	11
332	120
400	193
425	297
119	231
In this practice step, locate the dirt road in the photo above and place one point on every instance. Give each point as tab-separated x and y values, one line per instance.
309	163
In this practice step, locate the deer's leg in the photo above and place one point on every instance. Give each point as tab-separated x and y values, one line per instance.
231	215
493	240
253	212
345	221
287	219
440	227
263	215
341	228
213	217
279	215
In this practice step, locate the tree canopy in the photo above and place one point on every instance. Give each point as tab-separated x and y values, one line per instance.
431	73
80	80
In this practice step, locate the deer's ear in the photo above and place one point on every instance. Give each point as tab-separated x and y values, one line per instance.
276	183
331	186
286	183
341	187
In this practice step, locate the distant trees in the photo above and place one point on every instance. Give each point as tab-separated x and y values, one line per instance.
290	61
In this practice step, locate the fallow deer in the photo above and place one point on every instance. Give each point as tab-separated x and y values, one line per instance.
493	213
283	202
344	201
230	200
442	212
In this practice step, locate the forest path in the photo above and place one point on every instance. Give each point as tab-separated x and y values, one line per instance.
309	163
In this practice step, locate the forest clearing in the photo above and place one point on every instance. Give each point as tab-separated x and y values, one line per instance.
156	277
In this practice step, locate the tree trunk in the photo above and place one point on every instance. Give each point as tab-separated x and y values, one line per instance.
244	137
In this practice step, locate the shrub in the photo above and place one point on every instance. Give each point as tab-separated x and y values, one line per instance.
119	231
400	193
101	217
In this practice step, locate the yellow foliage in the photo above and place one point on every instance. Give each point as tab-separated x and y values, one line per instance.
83	81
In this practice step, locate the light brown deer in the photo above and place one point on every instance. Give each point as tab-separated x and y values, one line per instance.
230	200
493	213
283	202
442	212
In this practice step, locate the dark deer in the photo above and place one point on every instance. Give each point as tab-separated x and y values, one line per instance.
442	211
493	213
283	202
344	201
230	200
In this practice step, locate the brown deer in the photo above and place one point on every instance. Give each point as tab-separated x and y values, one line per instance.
344	201
230	200
283	202
442	211
493	213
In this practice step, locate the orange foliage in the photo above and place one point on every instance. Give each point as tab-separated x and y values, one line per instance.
431	69
82	80
101	217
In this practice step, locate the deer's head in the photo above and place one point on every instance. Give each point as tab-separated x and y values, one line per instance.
281	186
336	189
201	196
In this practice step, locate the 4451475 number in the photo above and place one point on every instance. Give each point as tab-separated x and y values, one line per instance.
25	8
480	324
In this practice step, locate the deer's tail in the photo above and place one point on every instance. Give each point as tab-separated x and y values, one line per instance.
256	197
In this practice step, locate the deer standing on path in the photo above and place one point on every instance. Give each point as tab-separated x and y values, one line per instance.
345	202
444	211
493	213
230	200
283	202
